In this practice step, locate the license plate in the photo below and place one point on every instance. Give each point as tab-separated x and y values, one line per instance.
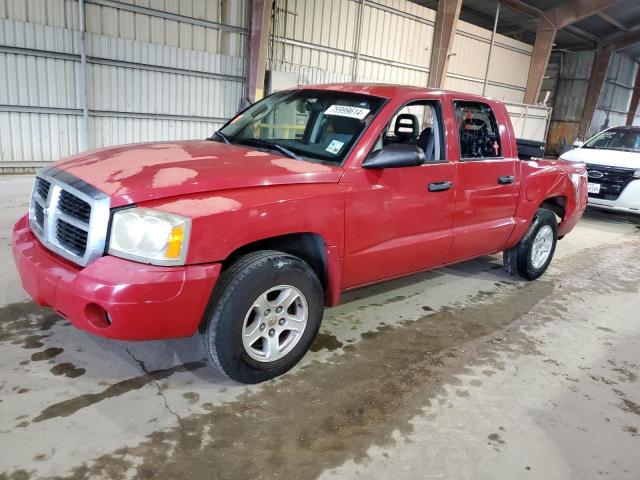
593	187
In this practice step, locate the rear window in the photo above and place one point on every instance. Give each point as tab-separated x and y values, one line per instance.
478	131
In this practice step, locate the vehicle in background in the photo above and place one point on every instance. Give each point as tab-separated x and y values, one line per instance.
612	158
308	193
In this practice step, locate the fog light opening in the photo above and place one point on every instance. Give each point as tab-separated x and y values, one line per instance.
97	316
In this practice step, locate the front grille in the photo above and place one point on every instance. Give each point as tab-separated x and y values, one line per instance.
72	237
39	214
612	180
74	206
69	216
42	188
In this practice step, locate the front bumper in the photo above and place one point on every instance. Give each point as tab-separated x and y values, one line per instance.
113	297
628	201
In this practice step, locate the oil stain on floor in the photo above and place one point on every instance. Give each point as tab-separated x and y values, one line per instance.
377	386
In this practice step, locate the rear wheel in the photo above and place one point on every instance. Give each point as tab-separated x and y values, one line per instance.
531	257
264	314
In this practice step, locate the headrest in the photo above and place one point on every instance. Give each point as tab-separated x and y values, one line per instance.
407	126
345	125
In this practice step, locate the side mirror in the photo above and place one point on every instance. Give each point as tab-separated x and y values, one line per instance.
396	155
578	143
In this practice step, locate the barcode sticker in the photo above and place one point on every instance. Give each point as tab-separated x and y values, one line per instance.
347	111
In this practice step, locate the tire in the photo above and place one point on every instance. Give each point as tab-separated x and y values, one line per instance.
520	261
243	296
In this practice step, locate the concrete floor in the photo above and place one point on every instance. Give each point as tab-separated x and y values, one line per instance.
461	373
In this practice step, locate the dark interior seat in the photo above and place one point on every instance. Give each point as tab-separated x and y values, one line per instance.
341	129
427	142
407	127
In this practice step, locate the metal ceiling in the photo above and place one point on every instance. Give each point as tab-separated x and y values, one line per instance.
622	18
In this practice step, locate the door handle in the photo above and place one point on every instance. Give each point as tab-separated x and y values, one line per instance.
506	179
439	186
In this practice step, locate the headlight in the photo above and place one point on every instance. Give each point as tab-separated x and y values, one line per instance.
149	236
636	174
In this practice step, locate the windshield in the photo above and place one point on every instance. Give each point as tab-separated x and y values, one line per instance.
616	139
319	125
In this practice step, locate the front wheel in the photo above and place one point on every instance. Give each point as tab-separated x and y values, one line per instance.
532	255
264	314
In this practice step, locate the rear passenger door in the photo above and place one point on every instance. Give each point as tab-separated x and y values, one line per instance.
488	183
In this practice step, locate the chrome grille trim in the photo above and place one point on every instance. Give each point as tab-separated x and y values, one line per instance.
96	227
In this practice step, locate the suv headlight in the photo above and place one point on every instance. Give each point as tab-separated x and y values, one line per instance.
149	236
636	174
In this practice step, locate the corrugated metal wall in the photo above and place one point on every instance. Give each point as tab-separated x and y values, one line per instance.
571	91
317	41
615	97
156	70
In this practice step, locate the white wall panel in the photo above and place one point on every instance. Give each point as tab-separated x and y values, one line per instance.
38	81
37	137
107	131
469	57
59	13
150	76
395	46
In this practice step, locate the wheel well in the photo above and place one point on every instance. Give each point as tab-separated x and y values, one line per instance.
557	205
309	247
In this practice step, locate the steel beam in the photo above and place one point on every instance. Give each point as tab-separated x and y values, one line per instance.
573	11
443	34
596	81
258	44
493	38
83	98
545	36
522	7
619	42
550	22
635	99
612	21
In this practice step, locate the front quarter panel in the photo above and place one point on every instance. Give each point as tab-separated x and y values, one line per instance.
224	221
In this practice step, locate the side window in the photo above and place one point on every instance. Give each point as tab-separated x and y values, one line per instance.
478	131
416	123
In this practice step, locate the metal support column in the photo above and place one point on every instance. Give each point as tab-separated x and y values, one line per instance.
356	60
493	39
443	34
82	81
545	36
261	11
596	81
635	99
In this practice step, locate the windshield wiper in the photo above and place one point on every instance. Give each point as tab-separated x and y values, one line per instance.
221	136
273	146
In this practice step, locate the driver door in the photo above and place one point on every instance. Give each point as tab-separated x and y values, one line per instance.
399	220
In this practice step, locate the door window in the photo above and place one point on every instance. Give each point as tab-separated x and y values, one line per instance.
416	123
478	131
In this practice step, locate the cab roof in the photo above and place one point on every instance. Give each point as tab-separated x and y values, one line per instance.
387	90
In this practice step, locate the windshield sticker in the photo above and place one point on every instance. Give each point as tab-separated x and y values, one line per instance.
347	111
334	147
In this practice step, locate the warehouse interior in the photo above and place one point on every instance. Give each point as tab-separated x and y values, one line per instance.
461	372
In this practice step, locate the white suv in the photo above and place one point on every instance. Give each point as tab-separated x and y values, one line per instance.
613	167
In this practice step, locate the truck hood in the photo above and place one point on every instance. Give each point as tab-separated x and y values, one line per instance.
148	171
609	158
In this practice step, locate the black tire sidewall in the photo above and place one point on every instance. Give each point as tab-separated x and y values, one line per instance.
525	266
229	312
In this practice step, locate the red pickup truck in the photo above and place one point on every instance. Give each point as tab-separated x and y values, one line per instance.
247	236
